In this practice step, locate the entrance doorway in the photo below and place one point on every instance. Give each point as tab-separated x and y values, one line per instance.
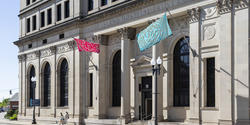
146	98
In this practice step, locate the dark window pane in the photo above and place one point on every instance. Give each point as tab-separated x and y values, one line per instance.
90	5
31	85
34	23
33	0
116	80
27	2
47	88
42	19
91	89
66	9
114	0
45	41
104	2
61	36
49	16
30	46
210	67
181	73
59	12
28	25
64	83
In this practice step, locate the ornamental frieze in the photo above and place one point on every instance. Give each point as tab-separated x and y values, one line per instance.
46	52
65	47
33	56
225	6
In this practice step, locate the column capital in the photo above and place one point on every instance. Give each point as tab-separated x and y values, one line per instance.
21	57
194	14
127	32
101	39
53	49
37	53
71	44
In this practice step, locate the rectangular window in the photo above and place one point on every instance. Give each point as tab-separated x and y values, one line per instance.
42	19
114	0
28	25
30	46
49	16
34	23
104	2
33	1
66	9
45	41
27	2
59	12
90	5
61	36
90	89
210	79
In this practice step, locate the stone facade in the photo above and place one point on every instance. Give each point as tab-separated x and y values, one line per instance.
216	28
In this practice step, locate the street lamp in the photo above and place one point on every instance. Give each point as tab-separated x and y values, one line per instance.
33	80
156	68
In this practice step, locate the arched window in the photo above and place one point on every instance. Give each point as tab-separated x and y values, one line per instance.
64	83
31	85
116	79
46	85
181	73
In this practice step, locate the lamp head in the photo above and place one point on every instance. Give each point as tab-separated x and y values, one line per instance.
152	62
159	61
33	79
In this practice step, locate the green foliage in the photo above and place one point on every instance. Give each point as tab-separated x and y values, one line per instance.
4	103
14	117
11	114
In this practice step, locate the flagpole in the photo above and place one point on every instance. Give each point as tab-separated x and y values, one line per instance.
154	91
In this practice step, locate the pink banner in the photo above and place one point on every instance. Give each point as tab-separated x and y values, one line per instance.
87	46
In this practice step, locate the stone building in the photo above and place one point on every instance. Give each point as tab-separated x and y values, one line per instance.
204	75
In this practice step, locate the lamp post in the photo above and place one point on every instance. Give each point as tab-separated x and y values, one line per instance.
33	80
156	68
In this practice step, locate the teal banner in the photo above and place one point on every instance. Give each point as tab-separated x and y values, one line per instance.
154	33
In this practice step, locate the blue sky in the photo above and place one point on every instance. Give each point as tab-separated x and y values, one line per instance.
9	30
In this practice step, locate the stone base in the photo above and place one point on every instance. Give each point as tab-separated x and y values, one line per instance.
243	122
94	121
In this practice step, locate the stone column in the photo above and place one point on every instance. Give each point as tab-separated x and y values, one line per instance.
126	35
100	77
166	86
225	116
195	66
53	81
21	89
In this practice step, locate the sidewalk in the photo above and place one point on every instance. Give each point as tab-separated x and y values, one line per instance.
16	122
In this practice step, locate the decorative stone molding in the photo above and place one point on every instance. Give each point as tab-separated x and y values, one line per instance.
52	49
127	32
210	12
33	56
47	52
102	39
209	32
63	48
225	6
194	14
21	57
71	44
240	4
